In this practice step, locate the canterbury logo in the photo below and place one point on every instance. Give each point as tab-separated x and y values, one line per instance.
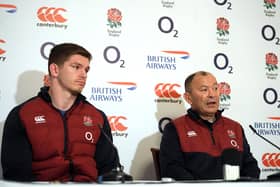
1	50
191	133
271	159
51	14
167	90
39	119
115	123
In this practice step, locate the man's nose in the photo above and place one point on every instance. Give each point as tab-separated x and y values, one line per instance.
84	73
212	92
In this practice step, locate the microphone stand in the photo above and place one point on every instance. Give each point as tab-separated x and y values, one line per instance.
254	130
275	176
116	174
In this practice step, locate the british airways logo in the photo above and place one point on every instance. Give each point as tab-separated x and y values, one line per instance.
39	119
9	8
112	93
167	61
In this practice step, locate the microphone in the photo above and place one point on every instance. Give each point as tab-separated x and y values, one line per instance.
255	131
275	176
116	174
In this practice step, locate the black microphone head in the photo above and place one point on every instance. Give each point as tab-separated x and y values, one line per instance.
255	131
252	128
116	175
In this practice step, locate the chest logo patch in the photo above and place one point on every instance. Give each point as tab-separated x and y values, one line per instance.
39	119
87	121
231	134
191	133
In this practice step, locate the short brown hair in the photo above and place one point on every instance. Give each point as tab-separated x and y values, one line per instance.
61	52
189	79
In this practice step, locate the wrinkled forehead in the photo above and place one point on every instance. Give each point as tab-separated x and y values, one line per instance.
204	80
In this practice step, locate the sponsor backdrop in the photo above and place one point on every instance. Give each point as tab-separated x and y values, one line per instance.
142	52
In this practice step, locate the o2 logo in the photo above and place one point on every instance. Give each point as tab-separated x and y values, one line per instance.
221	62
112	55
269	34
89	137
166	25
270	96
223	3
45	49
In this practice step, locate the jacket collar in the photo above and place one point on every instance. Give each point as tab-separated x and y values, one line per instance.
44	94
195	116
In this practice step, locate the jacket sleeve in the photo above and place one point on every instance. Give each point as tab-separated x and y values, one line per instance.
106	155
16	152
171	156
249	165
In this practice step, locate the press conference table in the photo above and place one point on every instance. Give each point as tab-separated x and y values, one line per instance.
140	183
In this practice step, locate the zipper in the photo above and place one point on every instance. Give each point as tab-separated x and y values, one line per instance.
65	151
66	142
212	135
65	127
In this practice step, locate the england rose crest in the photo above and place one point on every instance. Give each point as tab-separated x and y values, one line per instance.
114	17
269	4
222	26
271	61
225	90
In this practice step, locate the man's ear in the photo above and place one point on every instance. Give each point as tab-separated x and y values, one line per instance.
54	69
188	97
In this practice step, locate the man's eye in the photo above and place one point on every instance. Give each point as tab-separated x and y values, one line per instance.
75	66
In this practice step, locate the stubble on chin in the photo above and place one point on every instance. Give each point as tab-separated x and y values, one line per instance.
76	92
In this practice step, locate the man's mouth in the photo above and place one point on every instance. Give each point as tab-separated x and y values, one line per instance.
211	103
81	83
